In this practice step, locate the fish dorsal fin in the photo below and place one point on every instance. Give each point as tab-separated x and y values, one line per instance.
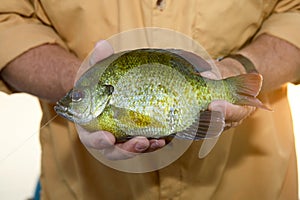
210	125
198	62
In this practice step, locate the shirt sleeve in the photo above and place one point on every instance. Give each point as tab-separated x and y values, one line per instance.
21	30
284	22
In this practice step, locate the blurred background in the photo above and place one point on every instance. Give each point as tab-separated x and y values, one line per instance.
20	115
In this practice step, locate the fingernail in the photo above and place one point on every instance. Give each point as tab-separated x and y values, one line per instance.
141	147
155	145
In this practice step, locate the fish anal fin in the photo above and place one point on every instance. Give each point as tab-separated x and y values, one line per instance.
210	125
251	101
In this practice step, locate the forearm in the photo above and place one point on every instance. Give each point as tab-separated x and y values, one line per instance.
277	60
47	71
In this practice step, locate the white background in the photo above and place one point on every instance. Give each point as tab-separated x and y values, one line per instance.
20	116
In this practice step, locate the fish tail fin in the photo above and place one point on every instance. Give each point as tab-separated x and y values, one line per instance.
247	87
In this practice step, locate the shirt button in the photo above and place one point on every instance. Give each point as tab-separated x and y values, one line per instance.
161	4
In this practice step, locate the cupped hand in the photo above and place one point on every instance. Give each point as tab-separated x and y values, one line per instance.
105	141
234	114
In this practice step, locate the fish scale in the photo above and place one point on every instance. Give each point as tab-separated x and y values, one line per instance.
157	96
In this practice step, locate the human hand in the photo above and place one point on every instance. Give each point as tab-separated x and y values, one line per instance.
105	141
234	114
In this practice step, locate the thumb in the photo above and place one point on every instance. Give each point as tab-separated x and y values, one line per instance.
209	75
102	50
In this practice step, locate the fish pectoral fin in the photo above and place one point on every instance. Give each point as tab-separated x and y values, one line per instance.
210	125
207	146
134	119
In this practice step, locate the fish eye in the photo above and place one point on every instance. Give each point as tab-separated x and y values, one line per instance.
110	88
77	95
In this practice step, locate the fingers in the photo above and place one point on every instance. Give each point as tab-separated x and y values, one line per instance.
103	140
96	140
156	144
102	50
133	147
127	149
234	114
136	145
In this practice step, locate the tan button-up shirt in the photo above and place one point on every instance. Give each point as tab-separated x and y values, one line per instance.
253	161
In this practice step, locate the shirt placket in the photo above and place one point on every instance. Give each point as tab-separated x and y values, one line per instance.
170	177
170	182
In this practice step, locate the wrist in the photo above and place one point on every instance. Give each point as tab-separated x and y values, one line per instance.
69	73
245	61
245	64
230	67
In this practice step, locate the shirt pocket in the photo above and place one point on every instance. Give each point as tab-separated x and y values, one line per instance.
223	27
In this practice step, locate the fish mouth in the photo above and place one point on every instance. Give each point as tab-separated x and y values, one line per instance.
64	111
70	114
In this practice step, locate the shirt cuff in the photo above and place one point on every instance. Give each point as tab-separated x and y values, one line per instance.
285	26
18	39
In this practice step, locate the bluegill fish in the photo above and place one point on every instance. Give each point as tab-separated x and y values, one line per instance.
154	93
